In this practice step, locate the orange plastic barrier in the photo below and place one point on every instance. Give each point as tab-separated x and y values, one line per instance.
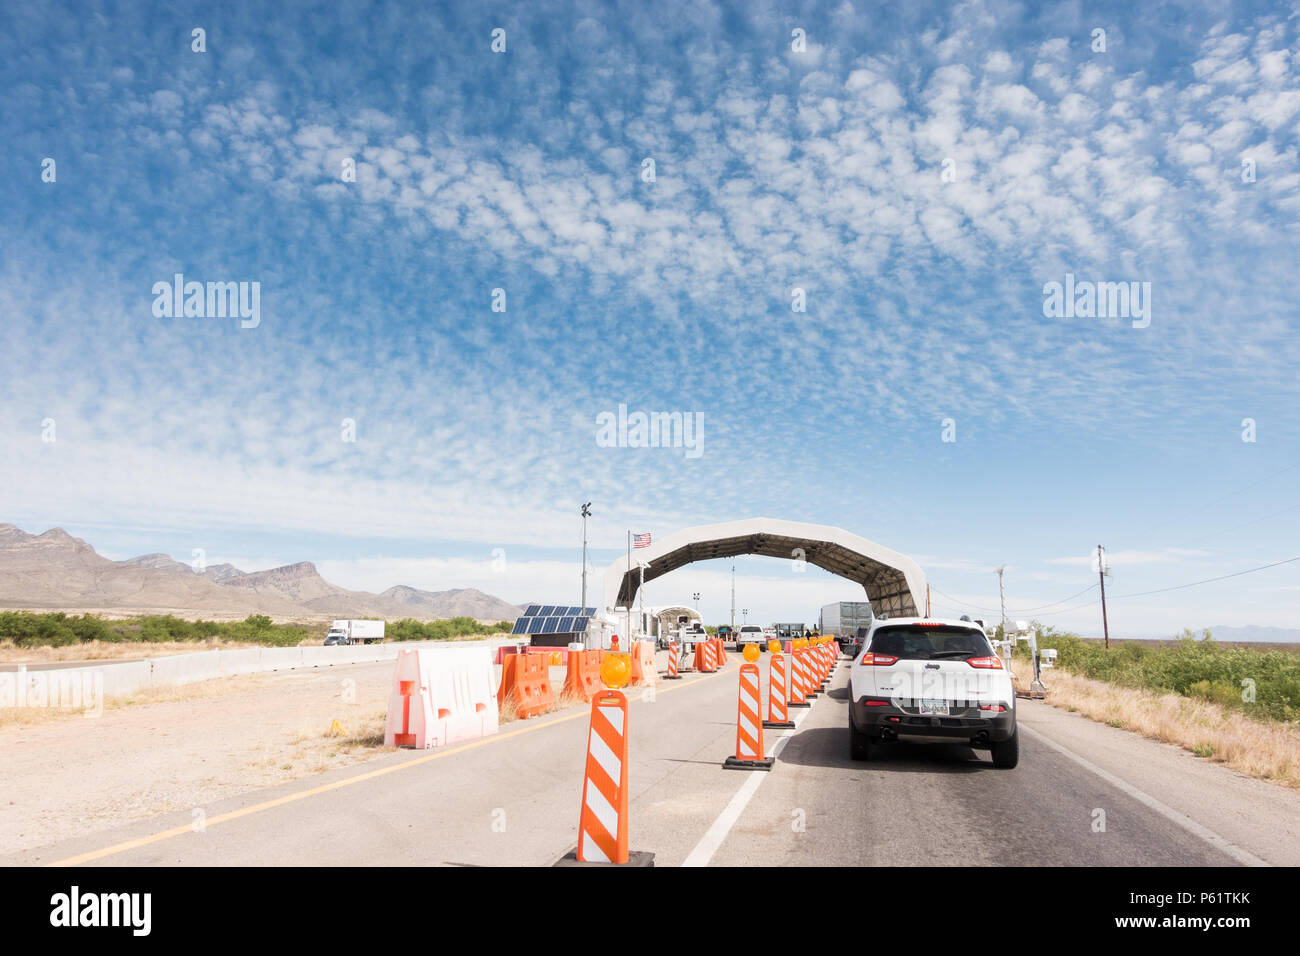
526	679
643	664
602	827
705	657
583	678
440	697
719	651
554	658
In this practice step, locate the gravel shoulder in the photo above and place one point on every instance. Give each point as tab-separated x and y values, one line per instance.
185	748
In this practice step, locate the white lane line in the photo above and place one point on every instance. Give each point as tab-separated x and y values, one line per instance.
1244	857
714	836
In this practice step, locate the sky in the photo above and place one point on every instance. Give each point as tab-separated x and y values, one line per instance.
824	234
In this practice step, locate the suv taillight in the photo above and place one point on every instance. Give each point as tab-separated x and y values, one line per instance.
877	660
991	663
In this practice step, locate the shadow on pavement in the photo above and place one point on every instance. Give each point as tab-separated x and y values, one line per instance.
829	747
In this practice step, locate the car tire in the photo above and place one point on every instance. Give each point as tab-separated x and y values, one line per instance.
1006	753
859	743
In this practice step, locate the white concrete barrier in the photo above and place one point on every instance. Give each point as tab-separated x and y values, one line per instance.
127	677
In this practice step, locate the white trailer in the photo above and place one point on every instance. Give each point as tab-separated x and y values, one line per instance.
357	632
847	621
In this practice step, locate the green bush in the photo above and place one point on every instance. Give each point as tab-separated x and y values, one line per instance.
1192	666
447	629
54	629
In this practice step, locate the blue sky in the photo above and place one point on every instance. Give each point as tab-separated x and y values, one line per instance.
774	170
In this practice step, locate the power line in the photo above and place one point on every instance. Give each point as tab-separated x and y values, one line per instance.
1180	587
1024	610
1235	527
1224	577
1231	494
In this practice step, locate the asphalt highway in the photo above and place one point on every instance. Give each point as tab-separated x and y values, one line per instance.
1083	794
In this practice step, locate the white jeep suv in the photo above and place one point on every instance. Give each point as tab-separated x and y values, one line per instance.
931	680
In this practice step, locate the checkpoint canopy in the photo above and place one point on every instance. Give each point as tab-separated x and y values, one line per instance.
893	582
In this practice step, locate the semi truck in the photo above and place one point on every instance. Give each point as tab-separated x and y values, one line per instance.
355	632
847	622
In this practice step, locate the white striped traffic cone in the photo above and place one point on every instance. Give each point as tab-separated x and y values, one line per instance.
777	715
672	662
749	724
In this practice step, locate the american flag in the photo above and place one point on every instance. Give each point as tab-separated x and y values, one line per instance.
641	540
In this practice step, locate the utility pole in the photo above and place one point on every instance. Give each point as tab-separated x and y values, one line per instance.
733	595
586	513
1101	576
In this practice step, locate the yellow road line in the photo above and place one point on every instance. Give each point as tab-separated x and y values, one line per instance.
338	784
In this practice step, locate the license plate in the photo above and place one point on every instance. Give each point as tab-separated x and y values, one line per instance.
934	708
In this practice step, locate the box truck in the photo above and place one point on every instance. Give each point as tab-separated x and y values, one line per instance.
355	632
847	622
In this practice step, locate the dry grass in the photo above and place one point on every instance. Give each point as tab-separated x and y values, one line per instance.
1267	750
11	653
507	712
361	737
19	717
563	701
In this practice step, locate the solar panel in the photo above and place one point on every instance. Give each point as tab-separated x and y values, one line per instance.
553	619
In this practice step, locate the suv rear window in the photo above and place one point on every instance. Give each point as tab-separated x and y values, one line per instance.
914	642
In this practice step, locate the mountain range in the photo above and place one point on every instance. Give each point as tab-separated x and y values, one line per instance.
55	571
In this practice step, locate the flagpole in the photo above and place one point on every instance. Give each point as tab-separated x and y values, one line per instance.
628	637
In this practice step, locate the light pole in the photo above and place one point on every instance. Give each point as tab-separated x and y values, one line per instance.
696	597
733	594
586	513
744	611
1008	649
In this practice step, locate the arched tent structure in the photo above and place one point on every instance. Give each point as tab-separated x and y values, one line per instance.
666	617
894	583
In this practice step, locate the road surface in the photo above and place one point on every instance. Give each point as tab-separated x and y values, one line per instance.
1083	794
